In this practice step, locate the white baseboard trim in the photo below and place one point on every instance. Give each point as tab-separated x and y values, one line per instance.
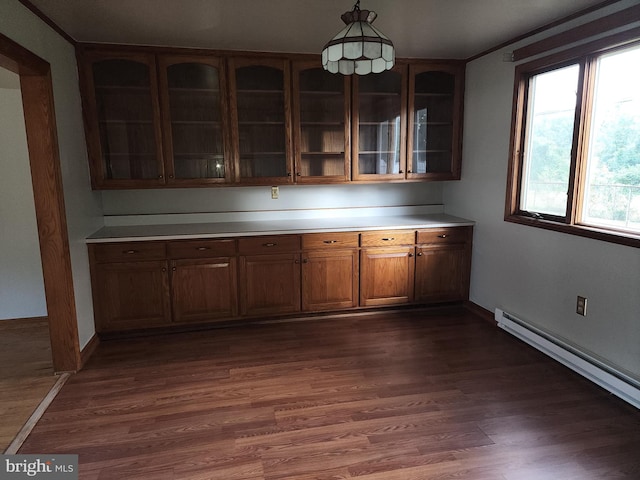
612	380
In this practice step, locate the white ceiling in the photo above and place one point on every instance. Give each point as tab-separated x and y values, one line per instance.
418	28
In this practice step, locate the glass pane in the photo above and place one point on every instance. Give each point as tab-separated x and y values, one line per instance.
125	119
261	122
612	196
379	107
322	117
433	122
196	127
548	141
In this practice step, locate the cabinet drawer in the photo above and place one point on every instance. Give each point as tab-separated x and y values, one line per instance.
128	252
269	244
445	235
202	248
329	240
388	237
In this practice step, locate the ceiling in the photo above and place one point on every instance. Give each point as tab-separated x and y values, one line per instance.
418	28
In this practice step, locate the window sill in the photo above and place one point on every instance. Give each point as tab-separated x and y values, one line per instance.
621	238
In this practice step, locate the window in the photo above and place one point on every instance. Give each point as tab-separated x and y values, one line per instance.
575	153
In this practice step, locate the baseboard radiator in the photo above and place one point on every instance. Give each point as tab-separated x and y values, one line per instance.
616	382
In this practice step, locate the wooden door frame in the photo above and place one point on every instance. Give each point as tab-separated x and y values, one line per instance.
48	194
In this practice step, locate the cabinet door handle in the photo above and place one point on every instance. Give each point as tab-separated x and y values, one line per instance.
202	249
269	244
306	260
443	236
160	176
400	171
411	255
130	252
330	241
173	269
164	269
420	254
298	174
388	239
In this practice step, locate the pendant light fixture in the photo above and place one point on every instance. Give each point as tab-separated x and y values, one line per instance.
359	48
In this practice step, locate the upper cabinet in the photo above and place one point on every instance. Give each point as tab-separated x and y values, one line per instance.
379	125
180	118
123	120
321	103
194	113
261	120
434	143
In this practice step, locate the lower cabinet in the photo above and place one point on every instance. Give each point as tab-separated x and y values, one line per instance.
443	264
131	295
330	271
270	284
204	289
140	285
269	274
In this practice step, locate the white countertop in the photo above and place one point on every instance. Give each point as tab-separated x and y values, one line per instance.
130	233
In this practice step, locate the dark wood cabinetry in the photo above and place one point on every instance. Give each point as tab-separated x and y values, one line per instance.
122	119
321	103
435	116
379	125
330	271
261	120
177	117
203	280
387	267
139	285
194	110
130	286
443	263
270	275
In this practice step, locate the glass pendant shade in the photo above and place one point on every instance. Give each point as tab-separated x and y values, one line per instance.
359	48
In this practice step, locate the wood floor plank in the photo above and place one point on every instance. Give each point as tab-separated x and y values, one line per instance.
397	396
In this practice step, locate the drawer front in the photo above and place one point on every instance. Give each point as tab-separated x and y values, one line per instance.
269	244
386	238
202	248
444	235
128	251
330	240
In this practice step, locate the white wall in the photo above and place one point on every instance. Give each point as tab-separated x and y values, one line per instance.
83	207
21	283
533	273
242	199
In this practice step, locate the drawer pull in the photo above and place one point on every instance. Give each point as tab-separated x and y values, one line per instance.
202	249
130	252
269	244
330	241
420	254
389	239
443	236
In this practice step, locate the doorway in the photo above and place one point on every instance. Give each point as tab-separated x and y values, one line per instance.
44	161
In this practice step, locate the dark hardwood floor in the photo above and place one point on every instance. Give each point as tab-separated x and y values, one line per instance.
398	396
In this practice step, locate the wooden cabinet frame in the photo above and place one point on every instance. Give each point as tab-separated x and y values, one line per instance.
277	63
99	178
456	69
299	67
164	62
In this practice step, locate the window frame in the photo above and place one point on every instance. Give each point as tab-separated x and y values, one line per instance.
585	56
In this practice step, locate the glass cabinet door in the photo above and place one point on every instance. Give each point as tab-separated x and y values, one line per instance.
321	124
379	125
435	116
261	118
124	145
193	92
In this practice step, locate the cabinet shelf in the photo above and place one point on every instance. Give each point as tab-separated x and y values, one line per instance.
330	124
125	122
323	154
193	90
369	152
433	95
441	124
261	123
432	151
259	154
196	122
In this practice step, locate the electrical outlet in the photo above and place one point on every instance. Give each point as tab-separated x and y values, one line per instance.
581	306
275	191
